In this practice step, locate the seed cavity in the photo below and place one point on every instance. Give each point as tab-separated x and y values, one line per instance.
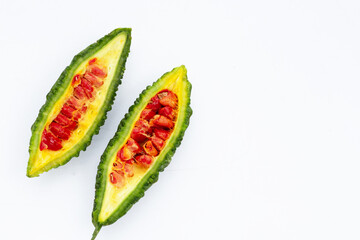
85	89
148	137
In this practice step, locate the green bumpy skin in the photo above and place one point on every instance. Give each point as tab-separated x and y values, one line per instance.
120	39
177	78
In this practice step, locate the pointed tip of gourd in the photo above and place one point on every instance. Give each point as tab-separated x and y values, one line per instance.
181	68
95	233
122	29
30	173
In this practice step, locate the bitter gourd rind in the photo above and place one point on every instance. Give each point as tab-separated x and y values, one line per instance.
123	131
59	89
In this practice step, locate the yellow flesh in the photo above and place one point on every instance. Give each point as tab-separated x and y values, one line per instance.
114	196
107	57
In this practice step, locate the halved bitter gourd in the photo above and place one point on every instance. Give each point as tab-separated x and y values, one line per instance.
143	145
77	104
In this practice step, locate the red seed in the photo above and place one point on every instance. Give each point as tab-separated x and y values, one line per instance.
98	72
79	92
74	102
147	114
91	61
129	170
76	80
133	146
162	133
93	79
88	89
52	142
42	145
59	131
66	122
144	160
117	179
138	134
150	149
86	85
89	94
143	125
77	115
42	142
67	111
154	103
118	166
72	126
112	178
125	154
131	161
62	119
161	121
168	112
83	109
168	98
158	143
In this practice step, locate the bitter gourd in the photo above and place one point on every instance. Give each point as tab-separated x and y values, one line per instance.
77	104
143	145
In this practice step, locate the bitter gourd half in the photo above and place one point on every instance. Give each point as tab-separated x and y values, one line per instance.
143	145
77	104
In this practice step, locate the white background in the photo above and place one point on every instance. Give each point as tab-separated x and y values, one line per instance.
272	151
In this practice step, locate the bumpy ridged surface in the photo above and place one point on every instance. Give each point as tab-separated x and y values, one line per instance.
152	176
64	80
